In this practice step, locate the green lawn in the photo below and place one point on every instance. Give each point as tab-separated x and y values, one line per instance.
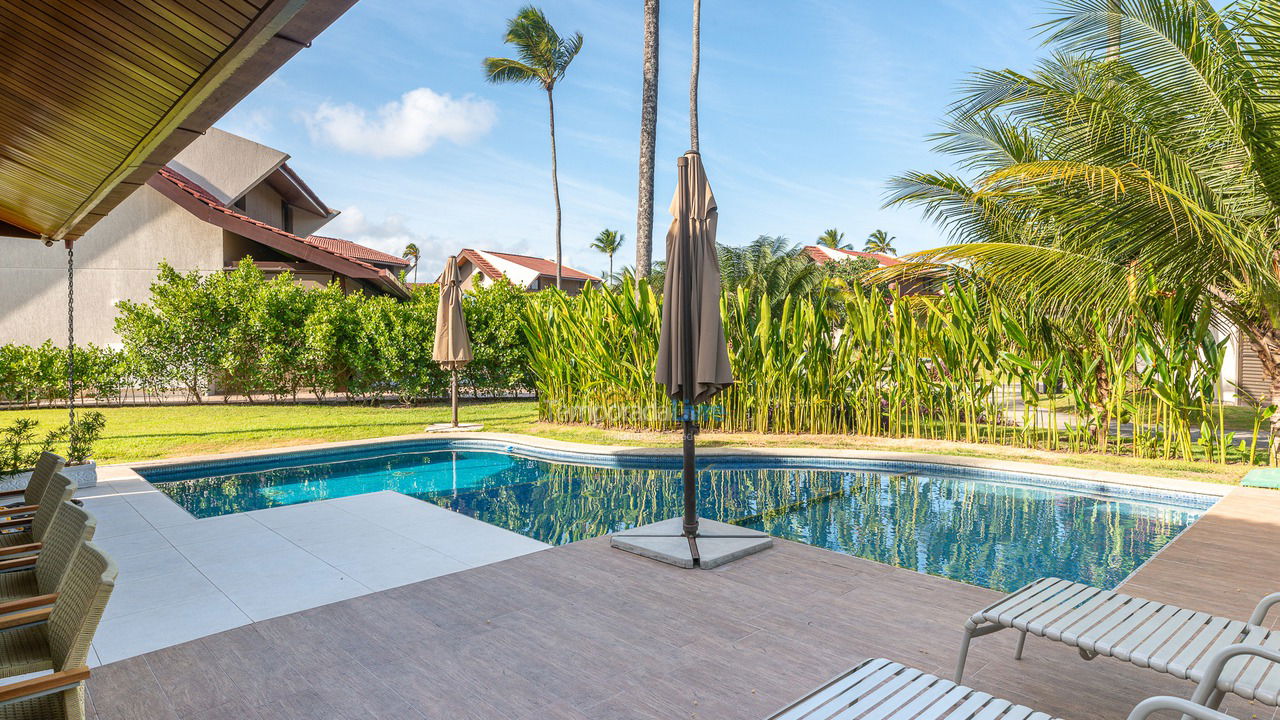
147	433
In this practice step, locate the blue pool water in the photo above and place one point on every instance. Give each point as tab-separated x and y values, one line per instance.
997	533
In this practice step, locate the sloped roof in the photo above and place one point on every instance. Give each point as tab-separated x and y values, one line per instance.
823	254
356	250
200	202
543	266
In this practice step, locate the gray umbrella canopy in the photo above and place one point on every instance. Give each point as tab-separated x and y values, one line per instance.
453	343
692	293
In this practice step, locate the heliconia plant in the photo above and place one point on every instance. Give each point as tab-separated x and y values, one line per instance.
867	361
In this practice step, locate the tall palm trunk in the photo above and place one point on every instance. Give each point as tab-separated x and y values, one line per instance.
693	75
648	142
1265	340
555	189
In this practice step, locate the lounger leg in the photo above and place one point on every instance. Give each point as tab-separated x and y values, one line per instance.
964	650
1022	640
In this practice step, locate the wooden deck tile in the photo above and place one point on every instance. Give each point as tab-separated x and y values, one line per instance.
585	631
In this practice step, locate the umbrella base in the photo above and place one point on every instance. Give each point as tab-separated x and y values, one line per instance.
718	543
450	427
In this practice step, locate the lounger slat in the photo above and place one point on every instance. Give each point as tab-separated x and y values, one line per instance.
956	694
880	689
993	710
1065	602
836	686
1085	604
1005	602
970	707
1232	672
1181	665
1070	632
1251	676
1047	594
1198	621
1233	633
1100	638
897	679
924	686
1155	629
937	693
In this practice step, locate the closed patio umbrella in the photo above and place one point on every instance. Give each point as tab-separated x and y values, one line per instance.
693	359
453	344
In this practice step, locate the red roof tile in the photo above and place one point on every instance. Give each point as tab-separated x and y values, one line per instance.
544	267
820	256
355	250
196	191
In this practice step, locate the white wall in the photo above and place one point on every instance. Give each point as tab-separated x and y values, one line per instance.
116	260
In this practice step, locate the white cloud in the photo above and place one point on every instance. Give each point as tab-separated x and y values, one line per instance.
401	128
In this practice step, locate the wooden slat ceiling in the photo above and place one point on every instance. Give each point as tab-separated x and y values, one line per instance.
96	95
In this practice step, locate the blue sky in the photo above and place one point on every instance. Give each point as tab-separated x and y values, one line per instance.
806	108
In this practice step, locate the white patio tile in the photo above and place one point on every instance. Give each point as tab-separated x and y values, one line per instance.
122	546
256	547
312	513
490	548
160	561
133	595
370	543
158	509
125	636
281	593
116	518
223	527
384	572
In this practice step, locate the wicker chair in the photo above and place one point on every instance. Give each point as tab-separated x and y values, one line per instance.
55	638
31	529
23	502
33	580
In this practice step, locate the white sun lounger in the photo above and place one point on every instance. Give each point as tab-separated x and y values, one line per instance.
881	689
1165	638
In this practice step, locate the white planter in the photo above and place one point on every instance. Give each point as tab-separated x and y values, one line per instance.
84	475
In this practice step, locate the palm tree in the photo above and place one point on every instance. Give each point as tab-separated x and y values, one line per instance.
543	58
608	242
412	254
833	238
880	242
648	140
1121	163
772	265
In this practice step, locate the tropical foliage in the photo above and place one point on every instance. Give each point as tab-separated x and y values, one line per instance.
949	367
243	334
608	242
542	58
881	242
833	238
1138	159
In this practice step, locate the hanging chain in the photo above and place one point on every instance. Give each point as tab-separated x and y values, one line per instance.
71	345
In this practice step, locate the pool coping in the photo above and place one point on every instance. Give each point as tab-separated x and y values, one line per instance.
583	452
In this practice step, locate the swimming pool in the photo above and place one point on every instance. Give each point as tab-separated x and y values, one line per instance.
993	530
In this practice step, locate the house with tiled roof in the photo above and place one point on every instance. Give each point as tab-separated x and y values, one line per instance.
222	199
481	267
821	254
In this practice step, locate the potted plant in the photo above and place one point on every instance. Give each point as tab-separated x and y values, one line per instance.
19	450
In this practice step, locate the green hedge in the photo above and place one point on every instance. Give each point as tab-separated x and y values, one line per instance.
243	334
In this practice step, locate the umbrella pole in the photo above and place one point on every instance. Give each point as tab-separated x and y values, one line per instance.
453	393
689	421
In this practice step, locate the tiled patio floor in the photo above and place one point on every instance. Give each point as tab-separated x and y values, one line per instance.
183	578
584	631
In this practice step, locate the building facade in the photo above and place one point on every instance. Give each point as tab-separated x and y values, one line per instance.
222	199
